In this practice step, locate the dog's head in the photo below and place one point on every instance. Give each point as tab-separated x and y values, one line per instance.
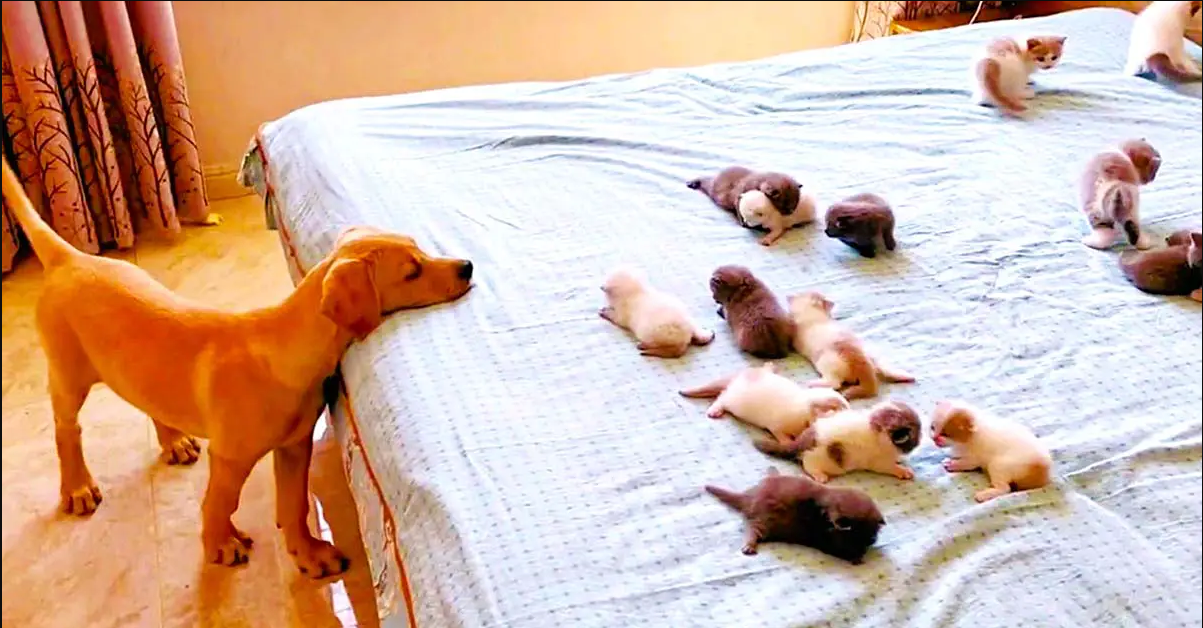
373	273
951	422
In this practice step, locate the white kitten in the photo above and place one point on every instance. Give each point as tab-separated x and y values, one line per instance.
1156	43
1011	455
760	397
1001	71
855	440
658	320
756	210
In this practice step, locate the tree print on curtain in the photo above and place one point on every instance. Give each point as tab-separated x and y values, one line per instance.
97	123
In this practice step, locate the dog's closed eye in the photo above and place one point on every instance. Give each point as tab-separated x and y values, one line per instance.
414	272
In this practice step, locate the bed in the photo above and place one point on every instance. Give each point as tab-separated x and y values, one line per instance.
517	463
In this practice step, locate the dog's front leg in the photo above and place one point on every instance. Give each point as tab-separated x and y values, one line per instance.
224	544
314	557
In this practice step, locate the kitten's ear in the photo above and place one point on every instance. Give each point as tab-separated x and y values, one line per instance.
1033	42
1059	40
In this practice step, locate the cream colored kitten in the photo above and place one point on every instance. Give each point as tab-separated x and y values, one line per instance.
1001	71
760	397
1156	44
756	210
855	440
1011	455
836	353
658	320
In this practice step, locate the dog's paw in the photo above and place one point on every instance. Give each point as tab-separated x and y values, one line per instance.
231	551
82	501
184	451
318	559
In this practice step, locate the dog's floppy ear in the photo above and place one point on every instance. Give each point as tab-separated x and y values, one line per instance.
349	297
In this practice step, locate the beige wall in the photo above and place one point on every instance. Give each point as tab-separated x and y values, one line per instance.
249	62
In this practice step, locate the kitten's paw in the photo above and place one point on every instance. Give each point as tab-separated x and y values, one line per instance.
820	477
749	549
1144	242
1100	239
1197	294
715	412
988	494
903	473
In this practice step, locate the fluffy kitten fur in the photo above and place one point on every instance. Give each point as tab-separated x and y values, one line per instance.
862	221
1011	455
1156	44
1109	190
756	211
725	189
659	321
1001	71
1176	269
760	324
760	397
855	440
836	353
840	522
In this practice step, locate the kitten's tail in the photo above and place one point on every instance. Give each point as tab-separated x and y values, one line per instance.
988	73
709	391
737	501
1119	203
788	450
1163	66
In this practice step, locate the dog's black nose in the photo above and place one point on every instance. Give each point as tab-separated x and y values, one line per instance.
465	270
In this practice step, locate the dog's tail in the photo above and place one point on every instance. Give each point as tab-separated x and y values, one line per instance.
47	245
737	501
1163	66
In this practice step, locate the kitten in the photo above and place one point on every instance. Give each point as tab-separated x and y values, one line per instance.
854	440
861	221
1011	455
1156	44
760	397
725	189
756	211
1109	190
659	321
760	324
836	353
1001	71
840	522
1176	269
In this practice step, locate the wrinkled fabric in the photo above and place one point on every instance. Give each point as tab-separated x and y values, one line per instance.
541	473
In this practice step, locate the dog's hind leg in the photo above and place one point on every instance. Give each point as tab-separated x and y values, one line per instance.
224	544
71	378
178	447
314	557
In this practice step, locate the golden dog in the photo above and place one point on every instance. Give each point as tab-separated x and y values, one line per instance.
250	382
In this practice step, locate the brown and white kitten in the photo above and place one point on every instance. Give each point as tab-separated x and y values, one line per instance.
1001	71
1156	44
1176	269
725	188
840	522
1109	190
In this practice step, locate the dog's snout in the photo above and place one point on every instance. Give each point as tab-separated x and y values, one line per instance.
465	270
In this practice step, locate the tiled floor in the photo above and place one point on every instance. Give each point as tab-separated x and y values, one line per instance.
137	561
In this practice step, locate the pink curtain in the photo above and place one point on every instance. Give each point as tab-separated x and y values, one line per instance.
97	123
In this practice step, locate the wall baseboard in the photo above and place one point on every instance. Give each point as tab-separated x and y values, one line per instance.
221	181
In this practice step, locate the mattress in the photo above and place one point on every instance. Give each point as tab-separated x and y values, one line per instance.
517	463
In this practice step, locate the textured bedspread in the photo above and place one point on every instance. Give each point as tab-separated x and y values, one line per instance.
541	473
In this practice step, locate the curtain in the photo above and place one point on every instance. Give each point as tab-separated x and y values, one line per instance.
97	123
872	19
